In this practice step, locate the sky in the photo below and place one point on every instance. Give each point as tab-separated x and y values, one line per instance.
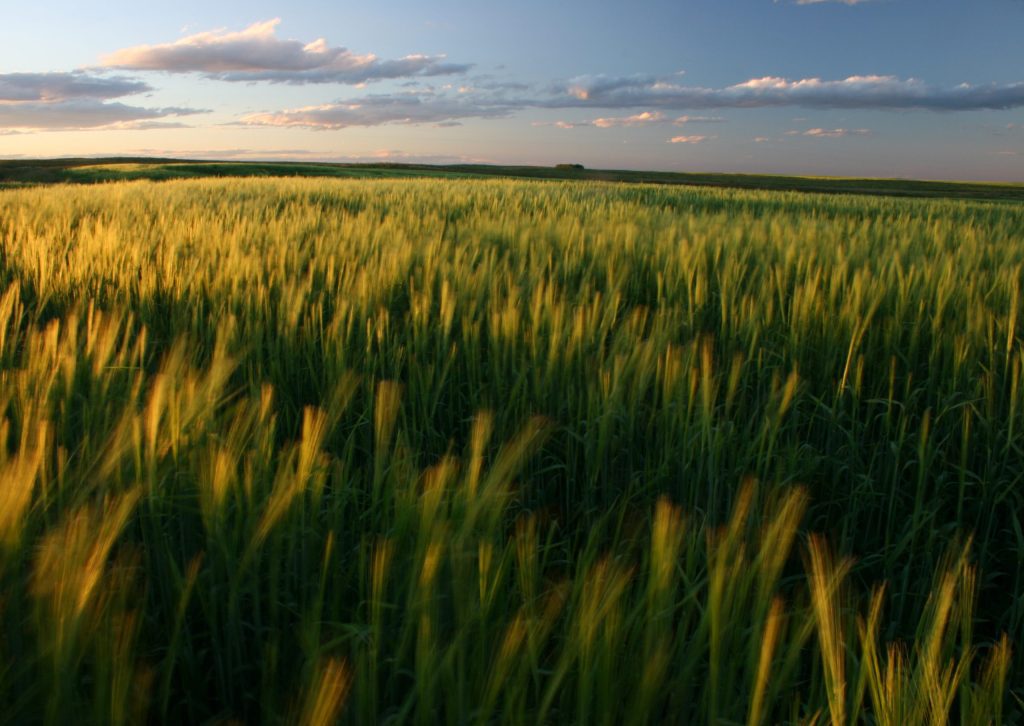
881	88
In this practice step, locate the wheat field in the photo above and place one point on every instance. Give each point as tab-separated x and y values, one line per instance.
511	452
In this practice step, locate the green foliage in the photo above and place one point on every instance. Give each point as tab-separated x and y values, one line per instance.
420	451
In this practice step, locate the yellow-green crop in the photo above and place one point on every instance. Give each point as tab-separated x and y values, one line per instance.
423	451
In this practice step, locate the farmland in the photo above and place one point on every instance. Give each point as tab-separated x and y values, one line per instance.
455	450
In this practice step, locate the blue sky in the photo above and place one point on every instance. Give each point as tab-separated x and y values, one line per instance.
891	88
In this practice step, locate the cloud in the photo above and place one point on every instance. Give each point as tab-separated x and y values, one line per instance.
698	120
47	87
645	118
854	92
32	102
829	133
838	2
146	125
562	124
256	54
650	97
587	88
450	103
640	119
690	139
376	111
81	114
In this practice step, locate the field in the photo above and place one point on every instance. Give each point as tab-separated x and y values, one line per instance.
92	171
508	451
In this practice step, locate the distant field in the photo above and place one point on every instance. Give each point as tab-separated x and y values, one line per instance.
97	170
93	171
506	451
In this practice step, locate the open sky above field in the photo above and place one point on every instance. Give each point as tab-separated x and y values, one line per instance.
893	88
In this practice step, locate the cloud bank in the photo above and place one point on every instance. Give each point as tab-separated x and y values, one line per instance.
854	92
257	54
89	99
376	111
63	86
73	101
658	95
86	114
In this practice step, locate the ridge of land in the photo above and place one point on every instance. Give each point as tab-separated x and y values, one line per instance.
27	172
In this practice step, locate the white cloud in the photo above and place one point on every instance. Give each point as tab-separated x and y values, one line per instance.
256	54
696	139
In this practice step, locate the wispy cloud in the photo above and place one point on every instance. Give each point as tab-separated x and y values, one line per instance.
376	111
81	114
146	125
682	120
645	118
79	100
695	139
563	124
819	133
257	54
641	119
48	87
854	92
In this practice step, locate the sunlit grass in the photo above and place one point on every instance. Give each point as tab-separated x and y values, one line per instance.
507	452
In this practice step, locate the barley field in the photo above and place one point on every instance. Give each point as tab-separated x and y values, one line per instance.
430	451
